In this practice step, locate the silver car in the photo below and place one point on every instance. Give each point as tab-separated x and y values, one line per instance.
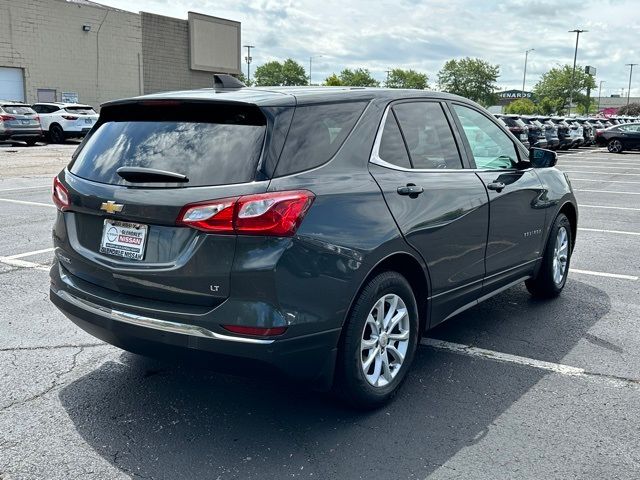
19	122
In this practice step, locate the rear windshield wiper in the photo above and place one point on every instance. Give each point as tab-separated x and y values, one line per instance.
144	175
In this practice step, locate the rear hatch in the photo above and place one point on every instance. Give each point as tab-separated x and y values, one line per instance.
83	116
122	229
19	117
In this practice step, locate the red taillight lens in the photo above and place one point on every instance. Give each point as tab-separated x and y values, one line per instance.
7	117
69	117
255	331
60	195
275	213
36	118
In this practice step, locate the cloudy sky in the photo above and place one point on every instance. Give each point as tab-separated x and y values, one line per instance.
423	34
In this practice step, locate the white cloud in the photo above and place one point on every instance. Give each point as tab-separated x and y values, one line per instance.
424	34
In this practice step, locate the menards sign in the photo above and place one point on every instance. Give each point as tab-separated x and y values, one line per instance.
515	94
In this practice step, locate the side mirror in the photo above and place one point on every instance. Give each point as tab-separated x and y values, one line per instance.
542	158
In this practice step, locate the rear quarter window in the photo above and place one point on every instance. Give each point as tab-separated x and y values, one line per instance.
316	133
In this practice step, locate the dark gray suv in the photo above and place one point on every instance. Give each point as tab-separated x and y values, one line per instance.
315	231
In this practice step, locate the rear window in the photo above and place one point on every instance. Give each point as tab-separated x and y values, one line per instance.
219	152
18	109
81	110
316	134
510	122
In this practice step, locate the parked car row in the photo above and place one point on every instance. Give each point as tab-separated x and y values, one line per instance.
558	133
53	122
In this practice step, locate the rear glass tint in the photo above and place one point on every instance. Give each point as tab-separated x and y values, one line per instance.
316	134
208	153
81	110
18	109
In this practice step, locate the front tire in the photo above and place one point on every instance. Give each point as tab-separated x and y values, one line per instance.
56	134
379	342
552	276
615	146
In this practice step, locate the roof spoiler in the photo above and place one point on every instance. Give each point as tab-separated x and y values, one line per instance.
222	80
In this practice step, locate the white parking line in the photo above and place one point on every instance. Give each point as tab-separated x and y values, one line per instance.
601	180
604	274
29	254
42	187
14	262
600	173
558	368
606	191
582	205
600	165
24	202
620	232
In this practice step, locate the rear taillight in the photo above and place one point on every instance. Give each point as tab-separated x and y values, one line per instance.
7	117
275	213
60	195
36	118
255	331
69	117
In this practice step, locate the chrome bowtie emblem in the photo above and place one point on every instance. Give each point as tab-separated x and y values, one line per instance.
111	207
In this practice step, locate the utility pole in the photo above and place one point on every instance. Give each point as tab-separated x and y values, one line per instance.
575	56
600	94
631	65
248	60
524	77
310	63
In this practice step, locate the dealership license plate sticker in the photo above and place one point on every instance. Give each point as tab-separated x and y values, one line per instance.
124	239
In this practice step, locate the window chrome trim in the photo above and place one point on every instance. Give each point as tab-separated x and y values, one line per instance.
153	323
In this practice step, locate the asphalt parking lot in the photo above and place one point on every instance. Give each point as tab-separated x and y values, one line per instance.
513	388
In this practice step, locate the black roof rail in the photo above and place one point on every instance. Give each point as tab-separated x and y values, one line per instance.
223	80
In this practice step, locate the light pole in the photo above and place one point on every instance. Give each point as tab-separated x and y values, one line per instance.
524	77
310	63
631	65
575	56
248	59
600	94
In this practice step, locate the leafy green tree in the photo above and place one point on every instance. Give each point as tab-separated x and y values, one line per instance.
399	78
633	109
240	76
275	73
522	106
554	88
359	77
332	81
472	78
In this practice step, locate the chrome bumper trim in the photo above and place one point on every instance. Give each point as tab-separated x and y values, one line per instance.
154	323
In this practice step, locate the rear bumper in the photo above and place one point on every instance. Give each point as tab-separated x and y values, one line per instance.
21	134
308	357
75	132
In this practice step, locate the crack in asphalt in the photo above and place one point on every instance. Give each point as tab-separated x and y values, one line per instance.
54	383
54	347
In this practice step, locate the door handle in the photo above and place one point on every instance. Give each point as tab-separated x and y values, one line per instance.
411	190
497	186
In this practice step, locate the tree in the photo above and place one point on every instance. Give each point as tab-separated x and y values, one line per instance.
554	87
472	78
633	109
240	76
399	78
522	106
360	77
275	73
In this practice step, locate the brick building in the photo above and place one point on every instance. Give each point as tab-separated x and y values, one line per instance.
61	50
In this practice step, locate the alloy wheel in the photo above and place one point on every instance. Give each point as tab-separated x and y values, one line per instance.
560	255
615	146
385	340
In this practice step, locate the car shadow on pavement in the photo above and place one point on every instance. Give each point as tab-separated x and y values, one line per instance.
154	420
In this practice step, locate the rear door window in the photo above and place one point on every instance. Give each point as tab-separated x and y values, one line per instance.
225	150
428	135
316	134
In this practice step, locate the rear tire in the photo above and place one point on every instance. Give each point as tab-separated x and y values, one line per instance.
378	343
56	134
31	142
552	276
615	146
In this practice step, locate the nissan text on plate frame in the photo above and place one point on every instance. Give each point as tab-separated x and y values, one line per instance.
316	233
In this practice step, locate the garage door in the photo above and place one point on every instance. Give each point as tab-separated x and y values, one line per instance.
11	84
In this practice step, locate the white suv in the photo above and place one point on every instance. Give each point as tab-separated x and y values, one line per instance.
60	121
